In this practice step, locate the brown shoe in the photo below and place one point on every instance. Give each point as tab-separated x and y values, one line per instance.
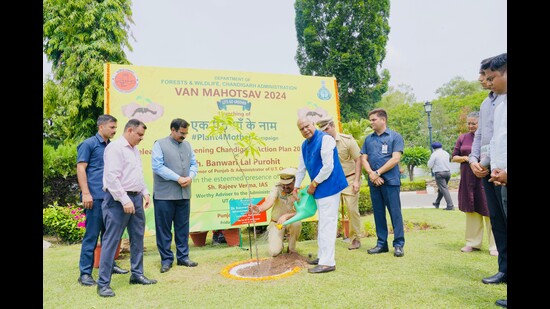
355	244
321	269
469	249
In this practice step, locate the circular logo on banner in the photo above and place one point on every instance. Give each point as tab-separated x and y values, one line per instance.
125	80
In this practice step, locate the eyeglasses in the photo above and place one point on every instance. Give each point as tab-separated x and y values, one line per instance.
472	123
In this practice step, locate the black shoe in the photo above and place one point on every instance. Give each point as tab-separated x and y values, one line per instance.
435	205
497	278
449	208
105	291
398	251
321	269
165	267
86	280
141	280
502	303
187	262
119	271
313	262
377	249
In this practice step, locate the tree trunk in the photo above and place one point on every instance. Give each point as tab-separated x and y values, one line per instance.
411	172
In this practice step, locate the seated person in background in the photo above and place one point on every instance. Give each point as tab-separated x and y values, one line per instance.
282	201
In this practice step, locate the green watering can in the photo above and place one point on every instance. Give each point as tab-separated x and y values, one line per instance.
305	208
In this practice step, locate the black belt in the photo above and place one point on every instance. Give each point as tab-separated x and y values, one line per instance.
133	193
350	175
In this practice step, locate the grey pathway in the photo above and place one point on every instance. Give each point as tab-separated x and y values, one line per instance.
45	244
424	199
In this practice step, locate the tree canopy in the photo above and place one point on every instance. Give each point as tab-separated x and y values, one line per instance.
79	37
345	39
458	86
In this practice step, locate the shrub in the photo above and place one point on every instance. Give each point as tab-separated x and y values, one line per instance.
417	185
59	183
369	229
309	230
365	204
67	224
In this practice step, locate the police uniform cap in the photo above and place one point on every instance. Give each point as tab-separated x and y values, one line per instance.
324	122
287	175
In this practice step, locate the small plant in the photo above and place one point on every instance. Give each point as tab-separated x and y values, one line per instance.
67	224
369	228
309	231
421	225
248	144
414	156
409	226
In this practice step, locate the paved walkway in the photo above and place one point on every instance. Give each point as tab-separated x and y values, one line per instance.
424	199
45	244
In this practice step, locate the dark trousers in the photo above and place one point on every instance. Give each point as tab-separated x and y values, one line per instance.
504	193
382	197
498	222
94	228
168	212
442	181
116	221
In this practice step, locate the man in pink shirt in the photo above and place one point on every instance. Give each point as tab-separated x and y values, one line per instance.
123	205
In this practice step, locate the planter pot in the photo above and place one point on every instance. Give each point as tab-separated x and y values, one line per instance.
198	238
232	236
343	228
345	224
97	253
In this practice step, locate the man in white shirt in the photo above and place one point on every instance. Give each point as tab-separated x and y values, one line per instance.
439	162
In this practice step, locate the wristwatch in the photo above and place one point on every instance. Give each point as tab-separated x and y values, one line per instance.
314	184
377	173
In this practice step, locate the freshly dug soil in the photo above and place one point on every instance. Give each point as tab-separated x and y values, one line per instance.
273	266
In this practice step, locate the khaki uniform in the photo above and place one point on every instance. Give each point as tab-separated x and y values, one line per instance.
348	151
283	204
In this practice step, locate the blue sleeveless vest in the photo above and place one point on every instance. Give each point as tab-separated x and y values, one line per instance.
311	152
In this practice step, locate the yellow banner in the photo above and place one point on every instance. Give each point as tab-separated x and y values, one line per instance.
267	104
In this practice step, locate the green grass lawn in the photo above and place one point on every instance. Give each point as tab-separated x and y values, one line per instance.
432	274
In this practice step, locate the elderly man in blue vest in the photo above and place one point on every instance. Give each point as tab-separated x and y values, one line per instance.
174	167
319	157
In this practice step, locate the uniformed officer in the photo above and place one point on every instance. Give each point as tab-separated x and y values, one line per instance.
282	201
350	158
